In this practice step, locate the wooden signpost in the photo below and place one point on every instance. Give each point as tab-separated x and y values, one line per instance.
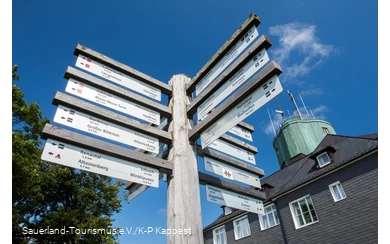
132	136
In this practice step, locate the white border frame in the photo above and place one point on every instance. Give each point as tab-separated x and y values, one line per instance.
220	227
333	193
293	215
330	160
227	212
261	217
234	227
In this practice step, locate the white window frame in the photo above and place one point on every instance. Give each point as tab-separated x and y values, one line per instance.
215	234
235	227
293	212
228	210
340	189
274	216
324	153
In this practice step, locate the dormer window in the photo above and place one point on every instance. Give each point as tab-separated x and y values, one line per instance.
325	130
228	210
323	159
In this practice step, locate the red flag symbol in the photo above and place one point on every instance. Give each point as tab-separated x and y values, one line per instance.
58	156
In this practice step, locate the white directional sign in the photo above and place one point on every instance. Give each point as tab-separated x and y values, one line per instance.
135	191
231	172
246	107
234	200
233	151
162	146
99	127
118	77
234	52
250	68
238	131
101	97
76	157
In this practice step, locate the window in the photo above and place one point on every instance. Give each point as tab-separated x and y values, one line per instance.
270	218
325	130
241	227
219	235
228	210
337	191
323	159
303	212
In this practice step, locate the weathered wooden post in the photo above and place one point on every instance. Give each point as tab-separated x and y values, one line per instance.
183	208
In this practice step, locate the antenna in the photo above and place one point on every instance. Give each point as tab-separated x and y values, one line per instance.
295	104
272	123
288	111
308	115
312	114
280	111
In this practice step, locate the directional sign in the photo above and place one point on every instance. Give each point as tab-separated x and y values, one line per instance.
233	151
101	97
241	132
246	107
99	127
135	191
234	200
235	51
231	172
250	68
117	77
161	146
76	157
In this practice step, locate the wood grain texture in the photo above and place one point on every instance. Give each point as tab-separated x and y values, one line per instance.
183	210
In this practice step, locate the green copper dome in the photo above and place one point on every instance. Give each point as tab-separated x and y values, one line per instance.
299	136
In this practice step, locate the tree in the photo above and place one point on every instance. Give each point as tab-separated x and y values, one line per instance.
49	195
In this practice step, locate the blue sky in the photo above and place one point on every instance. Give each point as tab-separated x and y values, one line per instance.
328	51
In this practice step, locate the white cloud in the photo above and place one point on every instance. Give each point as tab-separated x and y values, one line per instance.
319	112
311	92
299	38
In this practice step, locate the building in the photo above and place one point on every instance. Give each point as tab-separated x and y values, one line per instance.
325	192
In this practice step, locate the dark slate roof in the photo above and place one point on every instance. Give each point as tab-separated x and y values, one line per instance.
222	218
345	148
370	136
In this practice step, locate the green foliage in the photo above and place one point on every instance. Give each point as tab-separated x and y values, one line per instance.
49	195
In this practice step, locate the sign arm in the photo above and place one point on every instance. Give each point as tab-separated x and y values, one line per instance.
83	50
